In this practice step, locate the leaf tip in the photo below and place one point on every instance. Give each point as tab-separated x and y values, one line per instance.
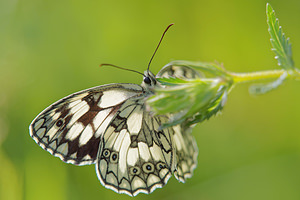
269	10
269	7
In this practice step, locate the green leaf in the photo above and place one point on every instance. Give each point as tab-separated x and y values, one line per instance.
259	89
215	106
189	101
280	44
172	81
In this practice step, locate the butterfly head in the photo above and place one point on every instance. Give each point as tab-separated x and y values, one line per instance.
149	80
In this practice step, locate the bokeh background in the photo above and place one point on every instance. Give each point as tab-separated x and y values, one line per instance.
50	49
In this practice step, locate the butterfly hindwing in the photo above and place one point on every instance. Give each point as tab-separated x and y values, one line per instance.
186	153
72	127
134	156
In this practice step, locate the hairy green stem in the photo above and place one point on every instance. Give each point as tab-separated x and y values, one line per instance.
270	74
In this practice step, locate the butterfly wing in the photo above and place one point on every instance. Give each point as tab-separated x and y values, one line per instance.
134	156
186	153
72	127
178	72
184	142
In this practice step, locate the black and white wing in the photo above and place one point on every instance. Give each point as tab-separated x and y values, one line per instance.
178	72
186	153
134	155
184	142
72	127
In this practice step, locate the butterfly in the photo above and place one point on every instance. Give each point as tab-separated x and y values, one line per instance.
110	126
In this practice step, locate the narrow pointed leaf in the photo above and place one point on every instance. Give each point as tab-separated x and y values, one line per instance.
280	44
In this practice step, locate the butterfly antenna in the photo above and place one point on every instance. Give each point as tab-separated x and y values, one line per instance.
111	65
158	45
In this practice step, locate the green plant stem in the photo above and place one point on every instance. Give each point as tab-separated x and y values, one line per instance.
270	74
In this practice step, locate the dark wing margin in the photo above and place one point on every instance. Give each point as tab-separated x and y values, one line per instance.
72	127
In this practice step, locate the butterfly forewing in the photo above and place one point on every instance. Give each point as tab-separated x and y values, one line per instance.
72	127
178	72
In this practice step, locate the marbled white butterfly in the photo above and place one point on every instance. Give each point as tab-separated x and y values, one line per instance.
109	126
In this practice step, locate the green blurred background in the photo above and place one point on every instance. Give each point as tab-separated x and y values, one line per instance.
50	49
